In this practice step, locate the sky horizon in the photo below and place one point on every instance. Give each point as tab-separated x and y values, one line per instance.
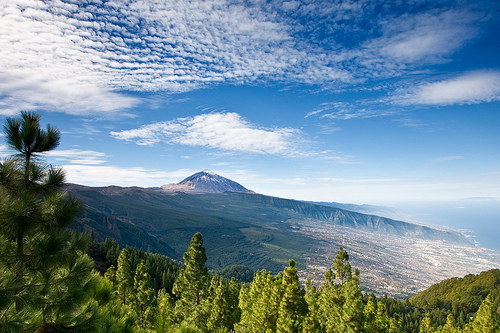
366	102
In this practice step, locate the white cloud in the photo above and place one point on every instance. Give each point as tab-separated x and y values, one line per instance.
77	156
77	57
225	131
5	151
425	37
36	91
446	159
148	46
100	175
346	111
471	88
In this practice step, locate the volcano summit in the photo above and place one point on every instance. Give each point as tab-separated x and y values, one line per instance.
206	182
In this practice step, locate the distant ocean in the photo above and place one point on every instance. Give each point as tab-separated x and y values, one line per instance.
479	216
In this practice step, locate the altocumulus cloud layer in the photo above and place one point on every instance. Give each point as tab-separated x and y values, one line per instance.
81	56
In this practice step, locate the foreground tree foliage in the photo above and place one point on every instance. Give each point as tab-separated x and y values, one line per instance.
48	283
200	302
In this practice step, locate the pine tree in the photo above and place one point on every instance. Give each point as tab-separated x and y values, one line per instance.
311	323
45	271
292	307
426	325
396	325
342	266
143	301
450	326
331	302
260	302
247	298
191	284
164	312
113	252
487	319
267	305
352	307
113	318
223	303
376	320
381	319
124	277
25	136
61	287
341	305
110	275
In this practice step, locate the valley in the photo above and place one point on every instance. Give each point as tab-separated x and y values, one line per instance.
397	266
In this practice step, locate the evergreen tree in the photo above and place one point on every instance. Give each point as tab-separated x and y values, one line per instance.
223	304
113	252
342	266
450	326
292	307
267	305
164	312
352	307
426	325
376	320
331	302
311	323
143	301
487	319
260	302
395	324
45	271
114	318
110	275
25	136
341	304
191	284
247	298
124	277
382	320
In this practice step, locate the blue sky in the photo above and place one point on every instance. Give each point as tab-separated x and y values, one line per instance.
352	101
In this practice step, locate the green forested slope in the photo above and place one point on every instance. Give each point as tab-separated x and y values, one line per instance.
459	296
235	232
239	229
277	303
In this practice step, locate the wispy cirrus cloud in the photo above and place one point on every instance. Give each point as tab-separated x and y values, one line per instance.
61	156
78	156
446	159
4	151
426	37
469	88
346	110
224	131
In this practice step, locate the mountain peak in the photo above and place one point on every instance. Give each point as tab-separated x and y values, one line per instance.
206	181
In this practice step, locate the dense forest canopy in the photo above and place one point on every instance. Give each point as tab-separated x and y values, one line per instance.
54	280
